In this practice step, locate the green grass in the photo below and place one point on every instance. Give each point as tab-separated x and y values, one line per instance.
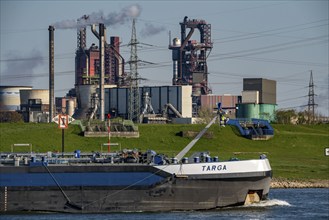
295	152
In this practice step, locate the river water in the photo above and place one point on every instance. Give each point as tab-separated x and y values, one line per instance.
282	204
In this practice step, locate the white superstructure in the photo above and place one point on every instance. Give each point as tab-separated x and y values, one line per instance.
227	167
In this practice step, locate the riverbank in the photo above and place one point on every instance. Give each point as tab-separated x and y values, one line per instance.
296	152
286	183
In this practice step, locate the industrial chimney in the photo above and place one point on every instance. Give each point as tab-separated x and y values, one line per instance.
102	70
51	30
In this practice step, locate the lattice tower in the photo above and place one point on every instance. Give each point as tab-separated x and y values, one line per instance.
134	96
311	104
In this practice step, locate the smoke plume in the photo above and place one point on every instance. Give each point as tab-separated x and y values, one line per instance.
149	30
20	69
113	19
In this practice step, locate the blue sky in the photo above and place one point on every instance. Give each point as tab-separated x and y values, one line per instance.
279	40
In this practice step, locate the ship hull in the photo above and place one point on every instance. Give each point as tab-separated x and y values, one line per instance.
148	188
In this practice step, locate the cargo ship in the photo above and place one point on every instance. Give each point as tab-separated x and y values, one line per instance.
129	181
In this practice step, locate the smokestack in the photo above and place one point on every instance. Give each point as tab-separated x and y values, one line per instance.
102	69
81	38
51	30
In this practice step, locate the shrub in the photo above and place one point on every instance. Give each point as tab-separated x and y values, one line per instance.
6	116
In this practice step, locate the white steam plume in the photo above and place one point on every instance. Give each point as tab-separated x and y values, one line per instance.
113	18
150	29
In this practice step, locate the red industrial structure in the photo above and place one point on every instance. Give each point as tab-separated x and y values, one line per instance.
88	63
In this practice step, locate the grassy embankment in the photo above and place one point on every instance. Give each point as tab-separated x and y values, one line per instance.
295	152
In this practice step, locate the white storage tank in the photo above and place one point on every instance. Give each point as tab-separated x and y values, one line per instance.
10	97
70	107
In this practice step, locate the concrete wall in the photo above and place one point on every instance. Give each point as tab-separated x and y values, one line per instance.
250	97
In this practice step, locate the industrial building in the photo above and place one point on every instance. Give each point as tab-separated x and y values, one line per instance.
265	87
96	67
228	103
88	61
189	90
175	101
34	105
102	86
258	99
101	80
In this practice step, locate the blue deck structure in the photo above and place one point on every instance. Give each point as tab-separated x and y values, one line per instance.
255	129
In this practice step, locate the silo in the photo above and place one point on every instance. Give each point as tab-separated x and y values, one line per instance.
69	107
10	97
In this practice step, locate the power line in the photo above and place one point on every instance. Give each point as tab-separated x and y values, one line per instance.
18	76
294	98
273	48
267	33
292	62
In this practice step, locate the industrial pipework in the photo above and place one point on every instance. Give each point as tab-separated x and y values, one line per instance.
190	57
101	36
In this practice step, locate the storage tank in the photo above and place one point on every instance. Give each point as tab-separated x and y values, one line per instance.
42	94
247	111
267	111
70	107
10	97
